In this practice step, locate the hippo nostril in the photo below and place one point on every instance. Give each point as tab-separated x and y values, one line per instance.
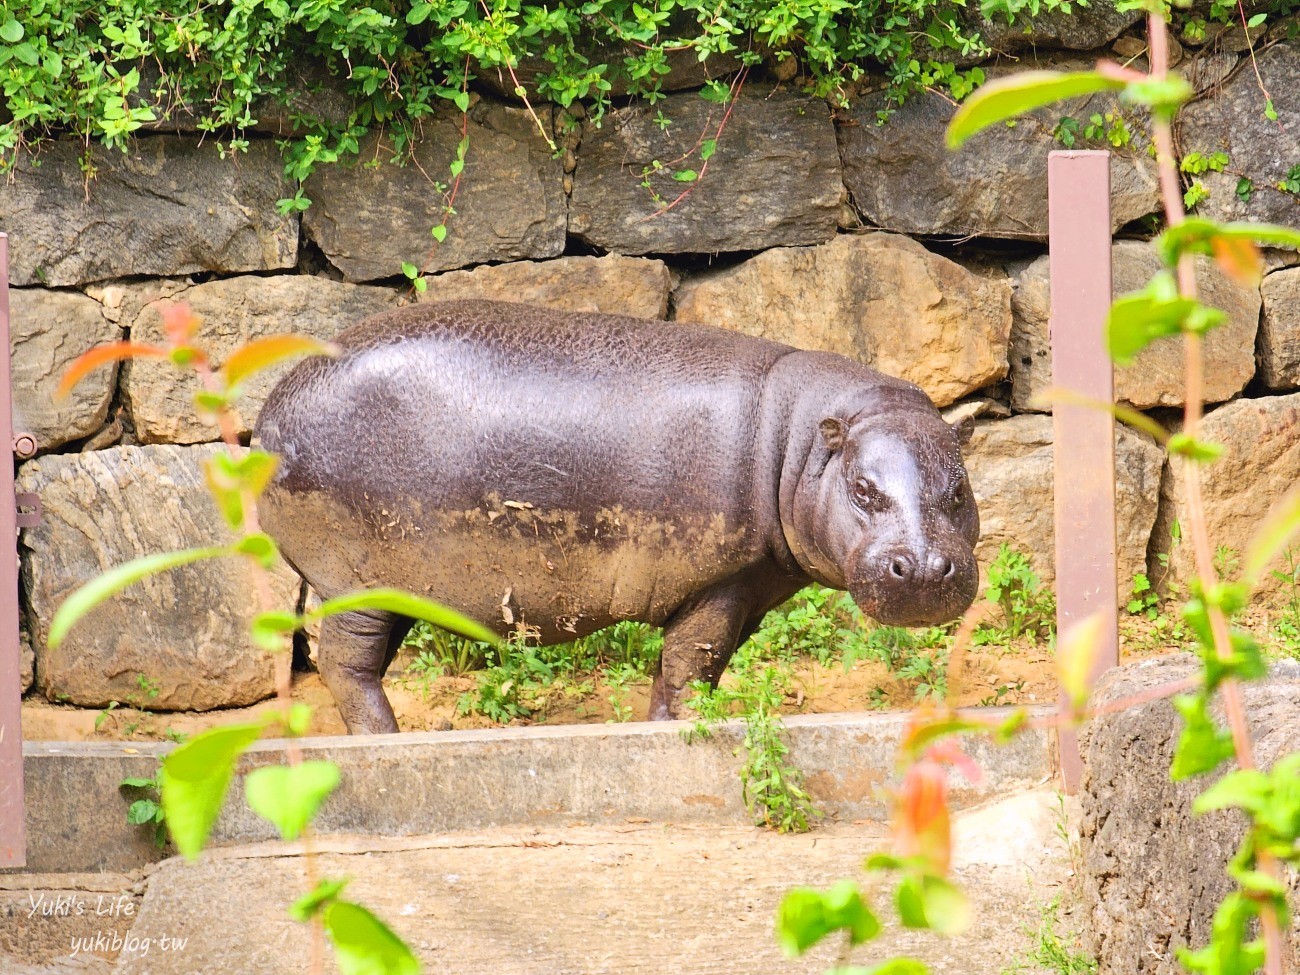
900	568
948	569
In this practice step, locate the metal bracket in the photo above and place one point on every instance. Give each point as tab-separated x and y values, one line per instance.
29	509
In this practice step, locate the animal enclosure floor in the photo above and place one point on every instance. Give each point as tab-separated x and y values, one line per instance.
642	897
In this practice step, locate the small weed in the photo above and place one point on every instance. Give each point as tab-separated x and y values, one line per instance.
148	808
772	788
1002	692
1028	608
1054	950
1143	600
450	653
146	690
103	715
1287	626
816	622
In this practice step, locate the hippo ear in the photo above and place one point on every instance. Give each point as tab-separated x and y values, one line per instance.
833	431
964	428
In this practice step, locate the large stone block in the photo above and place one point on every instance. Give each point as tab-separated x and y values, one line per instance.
1153	872
1010	466
1231	119
235	311
1279	330
169	206
902	177
612	284
369	219
774	178
48	329
1260	463
1156	376
185	630
879	298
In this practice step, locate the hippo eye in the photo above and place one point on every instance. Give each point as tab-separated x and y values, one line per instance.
867	495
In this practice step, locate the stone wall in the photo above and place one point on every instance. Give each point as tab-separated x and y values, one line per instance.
812	225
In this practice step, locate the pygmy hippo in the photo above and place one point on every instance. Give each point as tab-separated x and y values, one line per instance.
567	471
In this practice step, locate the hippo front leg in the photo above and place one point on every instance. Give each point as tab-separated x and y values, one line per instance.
700	638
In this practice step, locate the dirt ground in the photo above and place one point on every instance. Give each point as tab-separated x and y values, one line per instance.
1021	673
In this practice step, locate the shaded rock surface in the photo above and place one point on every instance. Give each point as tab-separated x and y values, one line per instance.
903	178
1153	873
879	298
612	284
235	311
774	179
1279	330
1260	463
186	630
26	663
48	329
1156	376
1232	120
1010	467
169	206
369	219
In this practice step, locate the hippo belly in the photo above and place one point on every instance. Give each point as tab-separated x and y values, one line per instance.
559	471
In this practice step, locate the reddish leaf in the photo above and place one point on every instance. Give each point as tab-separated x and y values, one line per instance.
1238	258
179	323
102	355
265	352
922	824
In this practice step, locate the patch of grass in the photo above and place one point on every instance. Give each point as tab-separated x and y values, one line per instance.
1286	628
1028	607
1055	950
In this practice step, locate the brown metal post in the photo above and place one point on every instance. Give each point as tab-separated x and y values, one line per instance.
13	845
1078	213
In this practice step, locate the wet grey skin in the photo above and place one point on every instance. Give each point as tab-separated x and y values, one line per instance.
568	471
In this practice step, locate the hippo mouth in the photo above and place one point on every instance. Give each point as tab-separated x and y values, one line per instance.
890	602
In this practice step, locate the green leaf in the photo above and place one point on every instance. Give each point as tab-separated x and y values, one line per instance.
271	350
325	892
686	176
1137	319
707	148
267	630
805	916
461	100
11	31
894	966
259	546
410	270
405	604
196	778
1202	747
115	580
1196	235
1243	789
1201	451
364	945
142	811
1256	20
1020	93
439	232
1164	96
288	796
134	783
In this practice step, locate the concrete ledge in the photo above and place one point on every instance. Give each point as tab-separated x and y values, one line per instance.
419	783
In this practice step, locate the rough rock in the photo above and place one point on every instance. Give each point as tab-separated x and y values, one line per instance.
1083	29
1232	119
26	663
1260	463
369	219
169	206
1153	873
903	178
235	311
1156	376
774	178
186	631
612	284
1279	330
1010	466
879	298
48	330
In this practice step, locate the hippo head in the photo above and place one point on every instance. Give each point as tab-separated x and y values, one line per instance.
890	516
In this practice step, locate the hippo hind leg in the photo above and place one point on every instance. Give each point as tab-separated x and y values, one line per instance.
355	650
